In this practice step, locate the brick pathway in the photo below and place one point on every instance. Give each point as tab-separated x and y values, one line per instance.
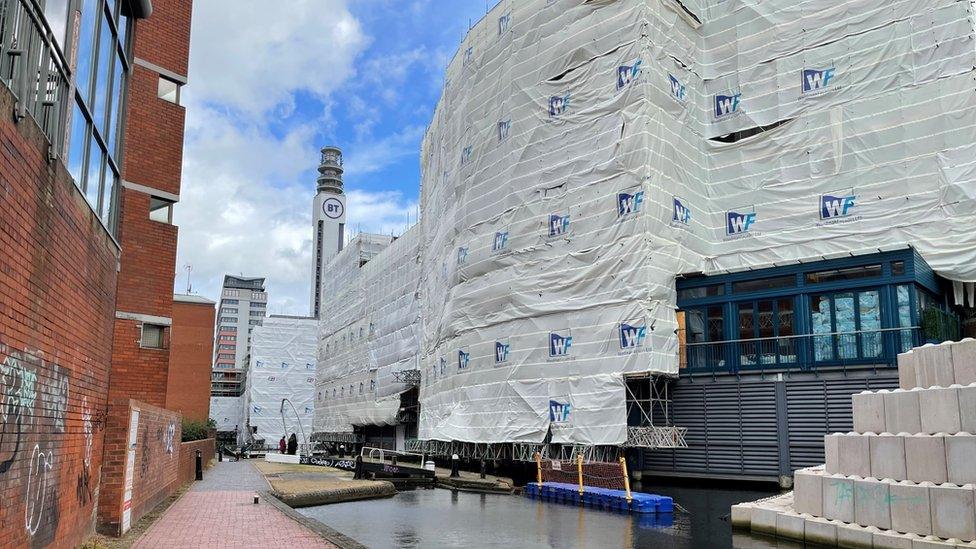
219	512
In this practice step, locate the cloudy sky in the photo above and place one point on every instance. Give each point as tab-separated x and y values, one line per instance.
270	84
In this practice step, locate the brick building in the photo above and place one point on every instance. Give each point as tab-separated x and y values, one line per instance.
190	356
151	174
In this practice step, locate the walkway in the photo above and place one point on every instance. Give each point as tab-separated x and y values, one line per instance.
219	512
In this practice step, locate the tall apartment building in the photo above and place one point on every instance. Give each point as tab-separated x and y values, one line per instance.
328	220
243	305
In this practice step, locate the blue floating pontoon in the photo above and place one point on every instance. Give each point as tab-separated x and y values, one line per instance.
603	498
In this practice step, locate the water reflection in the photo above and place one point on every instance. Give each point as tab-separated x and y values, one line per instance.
440	518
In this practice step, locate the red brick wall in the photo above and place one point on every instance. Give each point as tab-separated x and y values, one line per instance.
155	462
188	458
57	290
190	357
166	42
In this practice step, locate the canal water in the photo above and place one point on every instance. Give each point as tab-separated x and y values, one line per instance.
441	518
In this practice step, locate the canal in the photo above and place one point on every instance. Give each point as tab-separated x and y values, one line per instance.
441	518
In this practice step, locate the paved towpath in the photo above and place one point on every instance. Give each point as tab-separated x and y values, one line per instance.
219	512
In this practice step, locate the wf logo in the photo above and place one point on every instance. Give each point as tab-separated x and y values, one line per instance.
558	224
678	90
559	411
739	223
501	352
466	154
681	212
504	23
726	104
504	127
836	206
462	256
816	80
632	337
463	360
627	74
559	345
629	203
558	104
501	241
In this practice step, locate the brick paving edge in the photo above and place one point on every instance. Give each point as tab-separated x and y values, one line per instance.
334	537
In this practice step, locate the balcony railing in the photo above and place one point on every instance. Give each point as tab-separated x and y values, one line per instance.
33	67
874	348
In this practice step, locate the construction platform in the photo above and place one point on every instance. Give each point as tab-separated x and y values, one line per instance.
604	498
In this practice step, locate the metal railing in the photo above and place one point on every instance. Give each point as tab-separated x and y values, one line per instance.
33	67
876	348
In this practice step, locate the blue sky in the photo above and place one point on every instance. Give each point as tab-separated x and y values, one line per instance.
270	86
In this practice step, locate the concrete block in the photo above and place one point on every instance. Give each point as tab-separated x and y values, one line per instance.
790	526
901	412
907	376
892	540
967	408
953	514
910	510
931	542
808	492
831	453
854	455
871	503
868	410
888	456
764	520
838	498
934	365
961	458
939	410
925	458
820	531
852	536
742	515
964	361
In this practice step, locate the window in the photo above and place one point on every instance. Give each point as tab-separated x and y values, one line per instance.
161	210
837	275
257	313
255	323
898	268
228	328
372	385
231	302
763	284
259	296
232	293
360	387
225	357
168	90
702	291
227	319
850	322
259	304
766	325
152	336
227	347
228	311
228	338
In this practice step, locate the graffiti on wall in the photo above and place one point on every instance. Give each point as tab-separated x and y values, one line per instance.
34	419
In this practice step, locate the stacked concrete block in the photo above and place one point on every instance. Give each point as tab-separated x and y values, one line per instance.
905	477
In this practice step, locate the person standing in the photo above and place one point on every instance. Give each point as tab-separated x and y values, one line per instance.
282	445
292	444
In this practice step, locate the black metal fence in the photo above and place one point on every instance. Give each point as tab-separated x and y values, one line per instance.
878	348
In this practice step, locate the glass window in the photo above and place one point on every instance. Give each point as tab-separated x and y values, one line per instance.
898	268
103	76
231	301
152	336
94	177
118	81
168	90
822	323
56	14
228	328
109	187
702	291
852	273
79	138
763	284
86	48
853	322
161	210
904	300
869	323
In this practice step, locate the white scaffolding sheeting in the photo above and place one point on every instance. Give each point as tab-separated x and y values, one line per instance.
282	365
360	352
583	154
227	413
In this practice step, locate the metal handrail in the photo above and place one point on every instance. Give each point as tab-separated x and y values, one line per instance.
34	68
802	336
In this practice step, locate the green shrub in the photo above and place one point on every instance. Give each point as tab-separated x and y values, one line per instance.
196	429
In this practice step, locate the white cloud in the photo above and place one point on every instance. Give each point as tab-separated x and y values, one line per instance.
247	188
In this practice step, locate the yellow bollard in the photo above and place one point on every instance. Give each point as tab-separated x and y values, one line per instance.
623	467
579	469
538	470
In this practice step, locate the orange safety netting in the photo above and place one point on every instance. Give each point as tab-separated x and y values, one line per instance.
598	474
